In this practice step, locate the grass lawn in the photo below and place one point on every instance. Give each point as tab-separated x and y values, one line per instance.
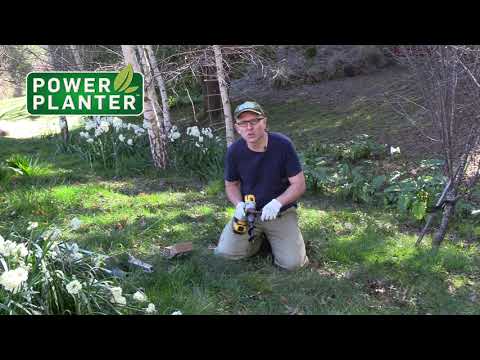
363	261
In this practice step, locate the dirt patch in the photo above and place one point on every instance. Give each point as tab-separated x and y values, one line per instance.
360	97
332	93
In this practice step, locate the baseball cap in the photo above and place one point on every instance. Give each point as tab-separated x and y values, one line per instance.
248	106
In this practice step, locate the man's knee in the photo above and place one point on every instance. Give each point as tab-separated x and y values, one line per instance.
228	253
292	262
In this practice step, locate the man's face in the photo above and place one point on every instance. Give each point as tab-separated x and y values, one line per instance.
248	131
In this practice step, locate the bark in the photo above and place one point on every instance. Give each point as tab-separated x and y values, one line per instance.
227	109
157	144
161	86
442	230
76	57
64	132
62	120
153	98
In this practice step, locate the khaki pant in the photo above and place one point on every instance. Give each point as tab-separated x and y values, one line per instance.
283	234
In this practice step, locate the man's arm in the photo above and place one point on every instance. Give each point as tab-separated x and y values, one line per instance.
295	190
233	191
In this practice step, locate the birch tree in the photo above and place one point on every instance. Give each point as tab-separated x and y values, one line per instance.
55	66
161	87
227	109
75	50
151	115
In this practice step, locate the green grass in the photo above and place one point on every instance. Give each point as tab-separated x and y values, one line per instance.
362	261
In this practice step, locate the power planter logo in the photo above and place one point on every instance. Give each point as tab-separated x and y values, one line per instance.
85	93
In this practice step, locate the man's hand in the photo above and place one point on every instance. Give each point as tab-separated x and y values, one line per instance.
240	211
270	211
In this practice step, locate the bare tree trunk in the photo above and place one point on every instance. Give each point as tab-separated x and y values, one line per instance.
442	230
62	120
76	57
227	109
157	144
152	95
449	96
150	84
161	86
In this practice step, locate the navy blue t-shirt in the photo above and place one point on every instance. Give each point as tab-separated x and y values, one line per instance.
263	174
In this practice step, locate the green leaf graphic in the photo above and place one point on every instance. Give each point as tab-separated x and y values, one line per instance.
131	89
123	79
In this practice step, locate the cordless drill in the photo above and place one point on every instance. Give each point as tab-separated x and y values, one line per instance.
242	226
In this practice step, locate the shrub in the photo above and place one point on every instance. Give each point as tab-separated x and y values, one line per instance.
346	170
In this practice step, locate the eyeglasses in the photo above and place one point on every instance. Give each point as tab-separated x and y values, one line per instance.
252	122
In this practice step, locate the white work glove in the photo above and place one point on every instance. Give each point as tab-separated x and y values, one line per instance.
270	211
240	211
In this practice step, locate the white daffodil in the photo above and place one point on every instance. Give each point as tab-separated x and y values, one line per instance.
139	296
197	144
174	135
98	132
130	142
116	291
117	297
74	287
75	223
200	138
207	132
135	128
52	234
8	248
150	309
32	225
178	312
117	123
22	250
105	126
12	280
120	300
91	124
121	137
193	131
139	131
394	150
90	140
